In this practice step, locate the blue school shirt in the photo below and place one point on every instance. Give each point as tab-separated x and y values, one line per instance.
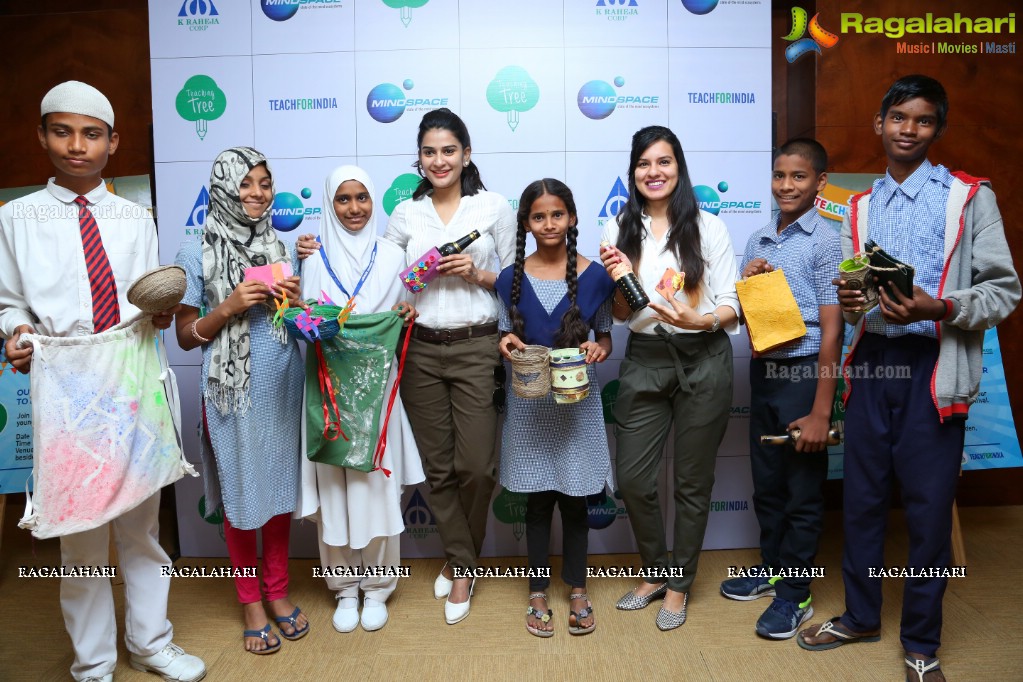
908	221
809	251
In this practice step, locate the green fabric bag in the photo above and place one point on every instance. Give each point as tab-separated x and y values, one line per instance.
358	363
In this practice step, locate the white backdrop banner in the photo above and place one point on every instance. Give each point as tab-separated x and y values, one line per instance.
547	89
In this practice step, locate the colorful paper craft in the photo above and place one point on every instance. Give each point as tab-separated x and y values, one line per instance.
269	274
282	305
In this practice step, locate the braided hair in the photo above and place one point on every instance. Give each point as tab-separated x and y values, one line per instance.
445	119
573	330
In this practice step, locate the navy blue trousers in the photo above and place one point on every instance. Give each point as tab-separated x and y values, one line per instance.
787	495
894	437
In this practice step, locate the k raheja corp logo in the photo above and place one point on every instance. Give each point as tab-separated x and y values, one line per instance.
819	36
616	200
598	99
405	8
282	10
197	217
710	201
513	91
420	523
387	102
198	15
201	100
289	211
617	10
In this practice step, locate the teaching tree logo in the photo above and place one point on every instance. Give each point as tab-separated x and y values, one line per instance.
513	91
216	518
405	8
510	508
700	6
201	100
288	210
819	36
3	415
401	189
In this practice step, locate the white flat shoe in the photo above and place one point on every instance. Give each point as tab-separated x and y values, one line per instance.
346	616
441	586
456	613
374	614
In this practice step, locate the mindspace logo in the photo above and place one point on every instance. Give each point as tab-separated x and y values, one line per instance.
513	91
819	36
289	211
700	6
198	15
387	102
197	216
282	10
598	99
710	201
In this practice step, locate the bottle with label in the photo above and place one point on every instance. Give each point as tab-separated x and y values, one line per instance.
424	269
627	282
834	437
459	246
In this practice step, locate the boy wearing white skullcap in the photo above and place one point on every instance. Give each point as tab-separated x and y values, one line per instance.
40	245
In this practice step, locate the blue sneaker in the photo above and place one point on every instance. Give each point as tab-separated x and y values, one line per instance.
748	589
782	618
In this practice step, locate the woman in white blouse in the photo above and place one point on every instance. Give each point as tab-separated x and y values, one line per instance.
678	364
453	364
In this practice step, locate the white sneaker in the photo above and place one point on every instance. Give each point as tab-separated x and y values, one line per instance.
172	664
455	613
441	586
374	614
346	616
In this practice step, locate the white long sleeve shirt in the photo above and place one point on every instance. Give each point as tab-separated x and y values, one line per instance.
719	275
43	278
451	302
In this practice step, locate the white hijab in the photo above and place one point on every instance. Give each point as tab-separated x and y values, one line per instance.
349	253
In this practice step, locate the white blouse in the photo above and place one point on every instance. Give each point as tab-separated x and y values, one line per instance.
719	275
451	302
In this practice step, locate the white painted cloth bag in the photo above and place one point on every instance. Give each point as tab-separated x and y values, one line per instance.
106	425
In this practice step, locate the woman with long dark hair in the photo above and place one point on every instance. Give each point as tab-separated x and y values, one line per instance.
678	364
448	385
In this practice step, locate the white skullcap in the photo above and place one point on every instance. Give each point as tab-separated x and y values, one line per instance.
75	97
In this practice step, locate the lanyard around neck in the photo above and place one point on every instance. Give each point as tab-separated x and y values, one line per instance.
362	280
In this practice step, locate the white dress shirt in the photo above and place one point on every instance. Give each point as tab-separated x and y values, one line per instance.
43	278
451	302
719	274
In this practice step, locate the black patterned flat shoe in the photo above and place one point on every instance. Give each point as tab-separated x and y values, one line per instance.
669	620
633	602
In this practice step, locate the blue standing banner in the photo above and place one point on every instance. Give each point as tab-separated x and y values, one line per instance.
15	428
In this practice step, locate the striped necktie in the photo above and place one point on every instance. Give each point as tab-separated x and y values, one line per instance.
105	310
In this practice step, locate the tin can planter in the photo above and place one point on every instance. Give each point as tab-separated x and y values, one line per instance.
569	380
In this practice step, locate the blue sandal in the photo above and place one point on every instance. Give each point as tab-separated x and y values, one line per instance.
293	621
263	634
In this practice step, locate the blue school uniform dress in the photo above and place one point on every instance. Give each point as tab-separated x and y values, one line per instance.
547	446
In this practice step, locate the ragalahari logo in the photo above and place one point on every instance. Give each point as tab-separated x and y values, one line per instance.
201	100
198	15
288	211
400	190
510	508
819	36
197	216
700	6
405	7
513	91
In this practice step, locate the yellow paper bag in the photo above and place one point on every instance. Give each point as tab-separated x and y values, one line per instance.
772	314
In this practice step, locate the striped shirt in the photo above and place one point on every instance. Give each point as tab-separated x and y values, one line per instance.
908	221
809	252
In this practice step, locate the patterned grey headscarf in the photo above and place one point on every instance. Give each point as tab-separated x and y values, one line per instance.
233	241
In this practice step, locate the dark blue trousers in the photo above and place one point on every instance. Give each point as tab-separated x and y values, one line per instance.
787	495
894	437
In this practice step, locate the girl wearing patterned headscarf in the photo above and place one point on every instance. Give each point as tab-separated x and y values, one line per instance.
359	514
252	379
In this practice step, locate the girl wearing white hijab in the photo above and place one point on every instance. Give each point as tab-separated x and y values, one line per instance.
359	514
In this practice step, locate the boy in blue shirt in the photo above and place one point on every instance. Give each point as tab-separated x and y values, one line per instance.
792	387
909	430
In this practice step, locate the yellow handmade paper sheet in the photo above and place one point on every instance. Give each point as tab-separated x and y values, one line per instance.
772	314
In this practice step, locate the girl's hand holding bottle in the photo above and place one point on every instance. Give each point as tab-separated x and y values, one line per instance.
460	264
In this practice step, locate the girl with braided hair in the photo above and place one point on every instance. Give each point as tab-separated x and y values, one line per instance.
556	454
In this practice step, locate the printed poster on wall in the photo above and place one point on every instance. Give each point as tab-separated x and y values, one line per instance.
15	429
